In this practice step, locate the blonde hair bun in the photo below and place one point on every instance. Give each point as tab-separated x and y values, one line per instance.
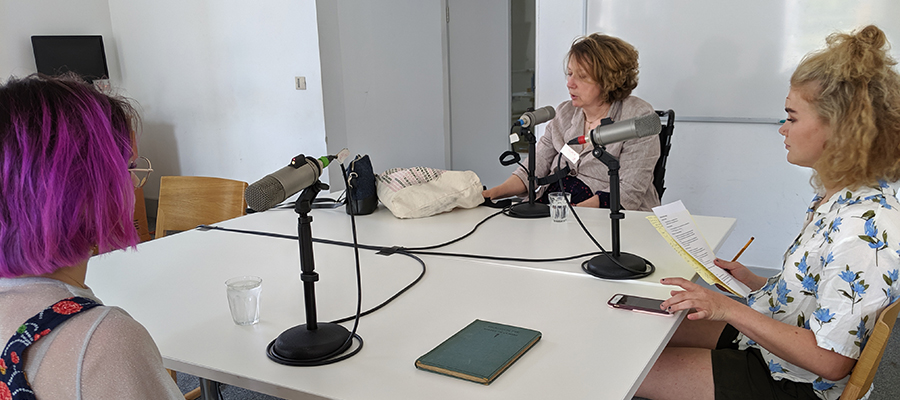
860	54
853	87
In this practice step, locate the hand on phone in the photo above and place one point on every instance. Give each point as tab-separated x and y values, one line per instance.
638	304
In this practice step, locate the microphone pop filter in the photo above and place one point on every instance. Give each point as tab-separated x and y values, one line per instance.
264	193
648	125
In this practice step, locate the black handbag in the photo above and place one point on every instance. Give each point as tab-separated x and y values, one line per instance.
362	198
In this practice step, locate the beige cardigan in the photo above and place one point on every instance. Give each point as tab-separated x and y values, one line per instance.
102	353
637	157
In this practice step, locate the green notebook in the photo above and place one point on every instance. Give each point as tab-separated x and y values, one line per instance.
479	352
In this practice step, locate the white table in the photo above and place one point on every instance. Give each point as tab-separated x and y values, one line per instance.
174	286
502	235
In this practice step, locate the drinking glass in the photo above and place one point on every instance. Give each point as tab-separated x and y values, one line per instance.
559	205
243	299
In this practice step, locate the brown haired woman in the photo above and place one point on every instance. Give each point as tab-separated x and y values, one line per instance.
601	72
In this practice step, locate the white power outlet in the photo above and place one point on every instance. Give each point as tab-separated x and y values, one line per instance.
300	82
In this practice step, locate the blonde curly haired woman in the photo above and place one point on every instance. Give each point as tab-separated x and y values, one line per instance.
802	330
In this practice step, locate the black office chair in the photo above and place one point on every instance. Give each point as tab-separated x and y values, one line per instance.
665	144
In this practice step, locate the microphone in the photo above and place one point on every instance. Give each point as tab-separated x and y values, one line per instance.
646	125
536	117
274	188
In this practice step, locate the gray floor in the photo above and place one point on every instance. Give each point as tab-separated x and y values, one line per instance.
189	382
887	380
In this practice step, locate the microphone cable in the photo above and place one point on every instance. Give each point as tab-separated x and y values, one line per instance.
588	233
378	249
437	246
328	358
411	252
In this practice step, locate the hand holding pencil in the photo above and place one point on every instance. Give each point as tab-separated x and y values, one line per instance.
739	271
742	249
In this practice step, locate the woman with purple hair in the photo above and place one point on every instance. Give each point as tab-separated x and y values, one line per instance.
66	189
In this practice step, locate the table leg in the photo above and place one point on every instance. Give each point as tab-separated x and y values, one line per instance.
209	390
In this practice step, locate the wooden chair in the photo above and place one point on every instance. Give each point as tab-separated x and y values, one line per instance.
188	201
864	371
140	215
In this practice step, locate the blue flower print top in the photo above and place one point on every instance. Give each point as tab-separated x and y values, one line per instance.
838	275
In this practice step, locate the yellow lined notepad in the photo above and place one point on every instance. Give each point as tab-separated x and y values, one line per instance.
676	225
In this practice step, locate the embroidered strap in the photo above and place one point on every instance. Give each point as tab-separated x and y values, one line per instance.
13	382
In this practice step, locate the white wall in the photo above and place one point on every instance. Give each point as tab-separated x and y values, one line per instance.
479	56
215	81
699	55
20	19
558	23
385	89
739	170
398	80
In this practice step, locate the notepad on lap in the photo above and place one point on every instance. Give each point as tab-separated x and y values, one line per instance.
676	225
479	352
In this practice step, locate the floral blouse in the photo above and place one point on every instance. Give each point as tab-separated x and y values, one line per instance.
838	275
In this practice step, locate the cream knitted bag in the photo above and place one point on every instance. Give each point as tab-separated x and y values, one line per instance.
421	191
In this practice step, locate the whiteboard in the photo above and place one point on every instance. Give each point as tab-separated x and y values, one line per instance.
724	59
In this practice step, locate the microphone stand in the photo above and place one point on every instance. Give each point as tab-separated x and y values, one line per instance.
617	265
530	209
312	341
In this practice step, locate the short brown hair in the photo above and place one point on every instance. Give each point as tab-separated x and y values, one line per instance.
611	62
853	87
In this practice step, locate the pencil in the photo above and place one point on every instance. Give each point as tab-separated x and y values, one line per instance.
742	250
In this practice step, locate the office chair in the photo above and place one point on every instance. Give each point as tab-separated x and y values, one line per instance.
188	201
864	371
665	144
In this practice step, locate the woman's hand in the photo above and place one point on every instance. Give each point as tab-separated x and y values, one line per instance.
707	303
741	273
513	186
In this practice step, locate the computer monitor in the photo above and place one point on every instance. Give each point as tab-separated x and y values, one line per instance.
83	55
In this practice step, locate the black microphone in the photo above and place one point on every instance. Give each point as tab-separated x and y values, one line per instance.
536	117
274	188
646	125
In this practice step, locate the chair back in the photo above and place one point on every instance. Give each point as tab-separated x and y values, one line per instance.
665	144
188	201
864	371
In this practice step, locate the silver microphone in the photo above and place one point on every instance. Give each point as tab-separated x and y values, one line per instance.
646	125
536	117
279	185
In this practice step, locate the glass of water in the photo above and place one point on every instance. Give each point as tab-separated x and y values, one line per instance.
243	299
559	208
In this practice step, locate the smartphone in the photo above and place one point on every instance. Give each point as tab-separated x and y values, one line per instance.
639	304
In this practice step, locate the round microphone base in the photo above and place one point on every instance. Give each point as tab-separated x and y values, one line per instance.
298	344
529	210
603	266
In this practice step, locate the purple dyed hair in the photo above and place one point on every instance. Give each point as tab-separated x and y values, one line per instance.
64	182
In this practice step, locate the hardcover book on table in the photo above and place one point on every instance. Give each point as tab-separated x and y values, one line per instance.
479	352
